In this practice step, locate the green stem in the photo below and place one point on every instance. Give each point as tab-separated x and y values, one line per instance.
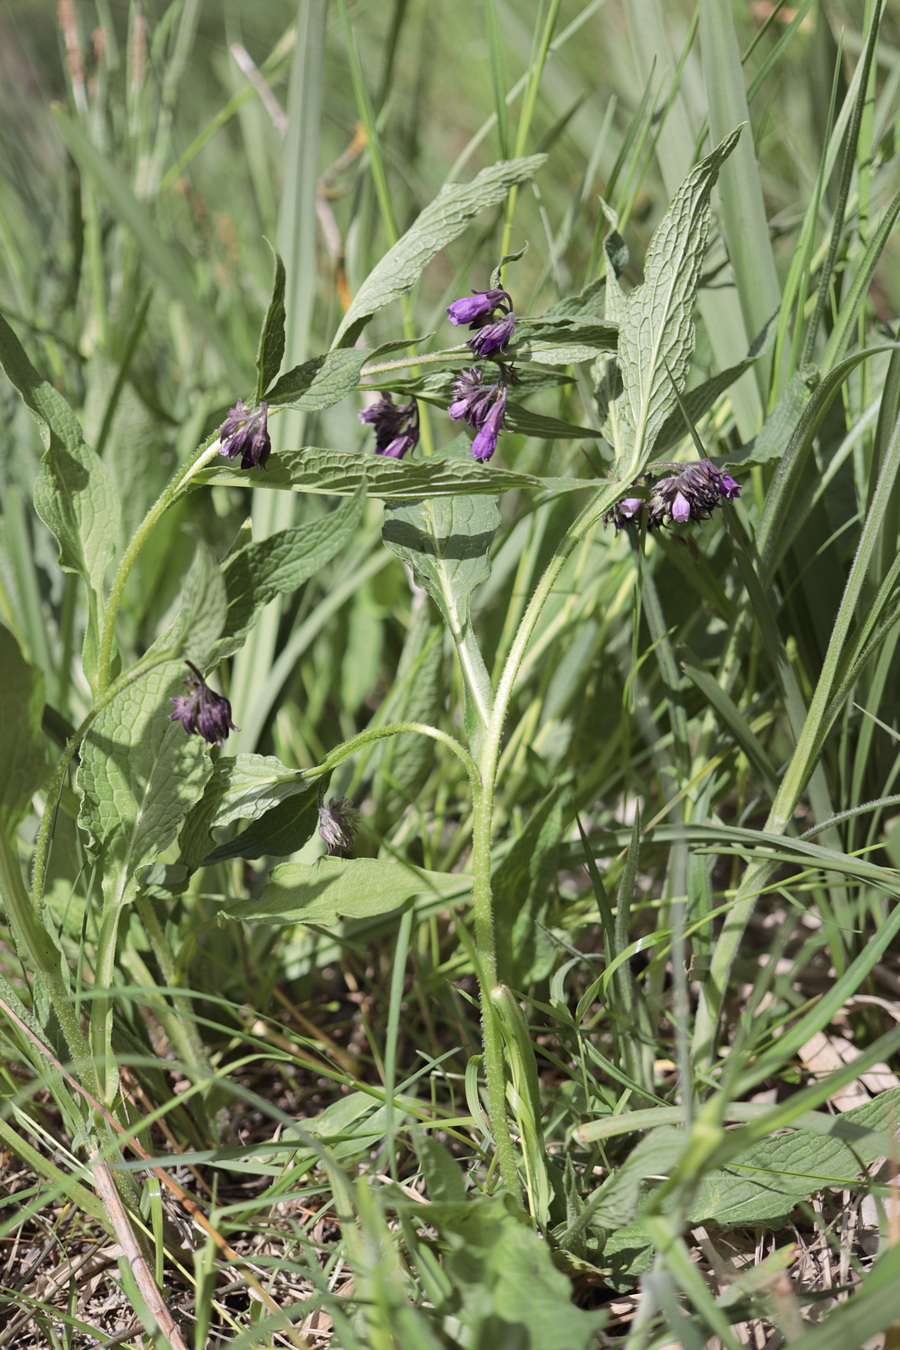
482	821
186	1035
365	738
204	454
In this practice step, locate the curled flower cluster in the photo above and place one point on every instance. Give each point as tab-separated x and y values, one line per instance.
202	711
691	494
481	406
245	432
396	426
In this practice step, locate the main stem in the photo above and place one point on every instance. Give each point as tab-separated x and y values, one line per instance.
482	821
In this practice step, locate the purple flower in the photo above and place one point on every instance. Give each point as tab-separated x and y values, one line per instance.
338	823
624	512
202	710
396	427
482	407
245	432
478	307
691	494
493	337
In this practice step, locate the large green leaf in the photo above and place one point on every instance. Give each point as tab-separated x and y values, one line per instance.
442	221
139	775
340	472
446	542
656	322
271	339
521	886
764	1184
21	709
74	494
321	381
333	889
279	803
278	565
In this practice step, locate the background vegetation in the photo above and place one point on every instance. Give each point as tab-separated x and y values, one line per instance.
695	835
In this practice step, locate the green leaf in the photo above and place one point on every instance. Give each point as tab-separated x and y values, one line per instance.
74	494
778	428
527	423
563	341
656	333
139	775
505	1284
278	565
203	607
442	221
271	339
617	1201
764	1184
333	889
447	545
280	802
21	709
521	887
340	473
322	381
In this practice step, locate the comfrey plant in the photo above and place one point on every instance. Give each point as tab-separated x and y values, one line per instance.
153	777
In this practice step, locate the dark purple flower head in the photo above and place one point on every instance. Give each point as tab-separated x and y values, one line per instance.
493	337
478	307
202	711
482	407
691	494
396	427
245	432
338	823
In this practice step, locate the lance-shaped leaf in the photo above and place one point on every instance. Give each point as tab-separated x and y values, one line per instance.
563	340
271	339
332	889
278	565
322	381
444	220
656	321
202	615
447	544
341	472
21	708
74	494
139	775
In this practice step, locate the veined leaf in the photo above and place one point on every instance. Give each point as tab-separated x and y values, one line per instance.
442	221
340	472
139	774
563	341
278	565
656	332
271	339
333	889
202	615
74	494
21	708
321	382
280	803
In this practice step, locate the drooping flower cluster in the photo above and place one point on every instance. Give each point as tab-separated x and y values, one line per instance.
477	310
338	823
680	498
481	406
245	432
396	426
202	711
